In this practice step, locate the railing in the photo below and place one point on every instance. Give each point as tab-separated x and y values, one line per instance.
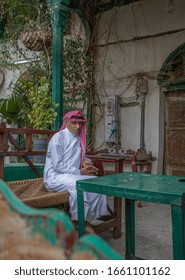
10	135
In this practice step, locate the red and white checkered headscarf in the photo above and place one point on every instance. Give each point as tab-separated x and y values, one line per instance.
77	116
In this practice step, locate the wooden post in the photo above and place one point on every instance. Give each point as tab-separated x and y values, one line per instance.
59	10
3	147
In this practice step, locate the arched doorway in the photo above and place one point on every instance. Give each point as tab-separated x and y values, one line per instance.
172	82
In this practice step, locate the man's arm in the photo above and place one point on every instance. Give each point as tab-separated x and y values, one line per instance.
58	164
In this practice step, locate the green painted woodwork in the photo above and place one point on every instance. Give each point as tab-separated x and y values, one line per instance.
170	68
58	21
176	85
145	187
98	245
178	229
20	171
84	21
162	189
130	228
40	221
53	227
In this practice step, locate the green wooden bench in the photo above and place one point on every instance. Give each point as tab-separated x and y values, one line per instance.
27	233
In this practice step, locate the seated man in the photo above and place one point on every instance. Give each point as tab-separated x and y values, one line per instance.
65	164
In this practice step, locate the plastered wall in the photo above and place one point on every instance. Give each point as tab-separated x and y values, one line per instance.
135	40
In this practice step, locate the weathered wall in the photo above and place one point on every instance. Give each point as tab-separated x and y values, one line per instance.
131	40
14	65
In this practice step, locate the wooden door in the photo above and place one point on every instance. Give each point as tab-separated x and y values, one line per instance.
174	160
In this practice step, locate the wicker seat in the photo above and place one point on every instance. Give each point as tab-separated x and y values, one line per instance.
33	193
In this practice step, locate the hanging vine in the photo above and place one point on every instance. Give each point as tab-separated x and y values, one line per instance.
77	71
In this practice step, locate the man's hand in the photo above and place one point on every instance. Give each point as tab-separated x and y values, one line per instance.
88	168
86	163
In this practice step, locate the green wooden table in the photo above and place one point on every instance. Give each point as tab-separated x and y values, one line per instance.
139	186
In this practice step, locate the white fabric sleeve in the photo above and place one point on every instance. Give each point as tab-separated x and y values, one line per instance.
58	164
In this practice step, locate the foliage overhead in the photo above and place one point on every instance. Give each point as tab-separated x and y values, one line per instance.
16	14
77	73
15	17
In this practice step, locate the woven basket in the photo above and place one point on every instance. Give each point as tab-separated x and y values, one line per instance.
37	39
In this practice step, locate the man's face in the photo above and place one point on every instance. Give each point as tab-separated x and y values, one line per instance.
74	127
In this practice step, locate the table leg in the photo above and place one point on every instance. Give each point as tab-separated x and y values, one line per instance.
118	215
178	231
130	228
81	222
119	166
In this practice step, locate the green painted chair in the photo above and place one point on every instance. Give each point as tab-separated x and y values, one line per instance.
27	233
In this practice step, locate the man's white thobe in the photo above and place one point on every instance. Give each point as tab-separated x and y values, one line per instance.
62	170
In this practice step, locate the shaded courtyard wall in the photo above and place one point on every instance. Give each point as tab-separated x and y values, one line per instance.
134	41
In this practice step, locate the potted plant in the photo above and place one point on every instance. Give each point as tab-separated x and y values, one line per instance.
42	111
31	105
